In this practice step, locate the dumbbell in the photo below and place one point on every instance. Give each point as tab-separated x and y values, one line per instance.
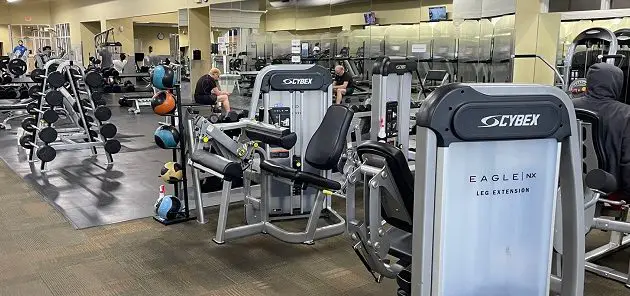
348	100
231	116
93	79
124	102
11	93
52	97
108	130
243	114
47	134
24	93
6	78
368	107
129	87
45	153
49	116
354	108
112	146
54	79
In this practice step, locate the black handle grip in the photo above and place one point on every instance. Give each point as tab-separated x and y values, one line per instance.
613	56
601	180
285	141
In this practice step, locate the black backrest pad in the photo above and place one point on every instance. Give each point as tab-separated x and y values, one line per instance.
329	140
597	129
399	168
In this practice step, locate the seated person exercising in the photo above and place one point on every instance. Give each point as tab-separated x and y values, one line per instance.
343	83
207	91
604	84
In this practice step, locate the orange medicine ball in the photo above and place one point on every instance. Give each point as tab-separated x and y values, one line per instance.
163	103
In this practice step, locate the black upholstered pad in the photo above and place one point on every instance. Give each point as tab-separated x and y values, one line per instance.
317	181
400	243
399	167
329	140
279	170
598	134
229	169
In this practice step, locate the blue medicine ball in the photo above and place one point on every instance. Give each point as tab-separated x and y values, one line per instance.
168	207
166	137
163	77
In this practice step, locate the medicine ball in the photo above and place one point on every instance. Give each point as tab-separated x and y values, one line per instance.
163	77
163	103
166	137
168	207
172	172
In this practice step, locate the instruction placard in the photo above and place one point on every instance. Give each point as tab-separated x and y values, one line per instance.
418	48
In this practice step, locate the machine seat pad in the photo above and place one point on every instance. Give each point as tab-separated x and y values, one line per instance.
399	167
279	170
317	180
229	169
286	141
400	243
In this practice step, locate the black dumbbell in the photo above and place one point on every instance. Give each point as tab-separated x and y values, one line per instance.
47	134
362	108
54	79
6	78
24	93
89	119
348	100
45	153
243	114
49	116
107	72
102	113
354	108
108	130
231	116
93	79
129	87
368	107
112	146
11	93
124	102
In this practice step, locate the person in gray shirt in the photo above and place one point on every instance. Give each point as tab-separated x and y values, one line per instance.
42	58
106	57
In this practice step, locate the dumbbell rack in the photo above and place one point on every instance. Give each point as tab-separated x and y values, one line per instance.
70	93
179	156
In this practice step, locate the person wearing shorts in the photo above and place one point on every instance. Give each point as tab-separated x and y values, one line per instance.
343	85
208	92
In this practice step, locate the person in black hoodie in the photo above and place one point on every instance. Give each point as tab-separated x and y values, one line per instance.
604	84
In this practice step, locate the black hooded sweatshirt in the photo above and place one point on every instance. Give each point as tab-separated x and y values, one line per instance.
604	84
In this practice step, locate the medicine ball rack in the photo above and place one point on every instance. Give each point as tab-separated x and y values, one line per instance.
61	94
179	156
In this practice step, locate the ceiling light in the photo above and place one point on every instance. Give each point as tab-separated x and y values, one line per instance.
12	1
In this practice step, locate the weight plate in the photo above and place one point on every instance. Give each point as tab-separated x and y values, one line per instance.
37	75
108	130
103	113
56	79
17	67
34	92
112	146
93	79
46	153
48	135
50	116
54	98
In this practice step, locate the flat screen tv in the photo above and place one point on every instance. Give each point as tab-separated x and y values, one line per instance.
437	14
370	18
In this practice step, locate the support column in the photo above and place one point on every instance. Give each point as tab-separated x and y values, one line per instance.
535	33
199	39
123	33
87	31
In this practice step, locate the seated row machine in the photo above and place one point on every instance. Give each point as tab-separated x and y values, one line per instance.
477	217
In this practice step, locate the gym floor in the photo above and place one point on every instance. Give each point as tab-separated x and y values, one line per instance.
42	254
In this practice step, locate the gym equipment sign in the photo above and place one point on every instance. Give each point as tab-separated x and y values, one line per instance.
522	176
